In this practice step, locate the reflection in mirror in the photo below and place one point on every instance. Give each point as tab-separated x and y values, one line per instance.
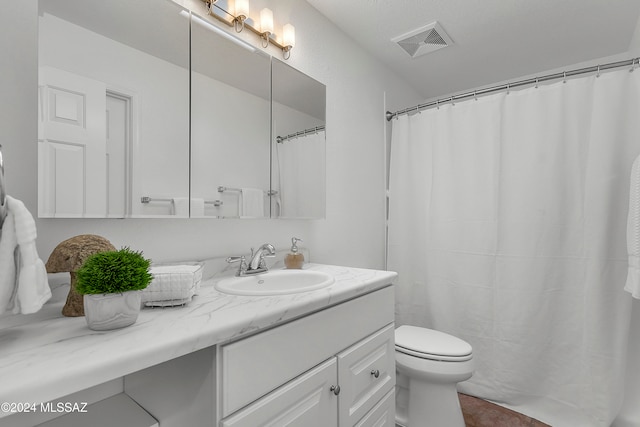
230	113
113	134
298	146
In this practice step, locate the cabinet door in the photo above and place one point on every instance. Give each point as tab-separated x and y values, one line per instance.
367	373
382	415
307	401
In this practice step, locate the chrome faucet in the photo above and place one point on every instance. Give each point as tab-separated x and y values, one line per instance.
257	262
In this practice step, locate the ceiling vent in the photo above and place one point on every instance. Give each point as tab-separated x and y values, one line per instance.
423	40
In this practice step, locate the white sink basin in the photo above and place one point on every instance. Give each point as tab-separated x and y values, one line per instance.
277	282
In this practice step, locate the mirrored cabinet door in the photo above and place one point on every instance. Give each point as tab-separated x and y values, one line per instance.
298	176
113	134
230	125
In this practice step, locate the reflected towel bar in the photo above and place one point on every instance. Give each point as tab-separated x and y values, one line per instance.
222	189
147	199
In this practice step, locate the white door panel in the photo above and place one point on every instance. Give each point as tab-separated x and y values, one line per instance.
72	119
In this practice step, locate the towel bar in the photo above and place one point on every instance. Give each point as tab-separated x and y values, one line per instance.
222	189
147	199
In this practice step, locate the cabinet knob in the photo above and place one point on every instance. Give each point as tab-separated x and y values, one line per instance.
335	389
375	373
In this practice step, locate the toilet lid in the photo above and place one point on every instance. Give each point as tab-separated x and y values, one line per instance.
430	344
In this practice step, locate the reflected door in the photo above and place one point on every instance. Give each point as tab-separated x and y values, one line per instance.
71	145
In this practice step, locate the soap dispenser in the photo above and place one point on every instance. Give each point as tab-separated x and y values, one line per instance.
294	259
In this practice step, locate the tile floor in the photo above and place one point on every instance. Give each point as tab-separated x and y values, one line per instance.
480	413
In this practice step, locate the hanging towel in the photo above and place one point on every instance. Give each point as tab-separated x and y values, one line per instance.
197	207
31	286
251	203
180	206
633	232
8	250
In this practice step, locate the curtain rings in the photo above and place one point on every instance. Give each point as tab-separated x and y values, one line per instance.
564	77
598	72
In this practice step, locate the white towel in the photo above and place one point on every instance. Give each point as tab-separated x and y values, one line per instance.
31	290
180	206
8	250
633	232
251	203
197	207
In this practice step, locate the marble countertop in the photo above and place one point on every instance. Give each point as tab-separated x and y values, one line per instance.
44	356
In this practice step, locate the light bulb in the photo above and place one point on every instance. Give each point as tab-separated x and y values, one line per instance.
242	8
266	21
289	36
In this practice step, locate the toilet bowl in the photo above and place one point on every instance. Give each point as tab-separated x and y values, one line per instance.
429	364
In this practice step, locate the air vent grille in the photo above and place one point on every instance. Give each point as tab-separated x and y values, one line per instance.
434	37
423	40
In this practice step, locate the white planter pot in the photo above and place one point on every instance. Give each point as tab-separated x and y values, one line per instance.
111	311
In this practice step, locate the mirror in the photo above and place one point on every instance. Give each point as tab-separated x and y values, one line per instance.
230	125
113	134
138	117
298	164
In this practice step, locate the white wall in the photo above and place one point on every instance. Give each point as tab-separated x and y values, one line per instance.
352	234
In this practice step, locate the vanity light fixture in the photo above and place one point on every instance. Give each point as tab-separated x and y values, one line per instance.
211	27
240	15
288	40
266	25
239	19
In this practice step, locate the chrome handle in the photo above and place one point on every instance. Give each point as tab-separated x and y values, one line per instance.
243	264
375	373
335	389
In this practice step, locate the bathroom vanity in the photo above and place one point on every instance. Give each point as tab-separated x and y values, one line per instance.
322	358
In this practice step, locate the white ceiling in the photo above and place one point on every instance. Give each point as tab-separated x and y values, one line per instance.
494	40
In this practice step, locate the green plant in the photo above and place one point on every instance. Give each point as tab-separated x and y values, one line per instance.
114	272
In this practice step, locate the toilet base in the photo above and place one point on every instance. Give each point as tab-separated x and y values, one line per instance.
426	392
433	405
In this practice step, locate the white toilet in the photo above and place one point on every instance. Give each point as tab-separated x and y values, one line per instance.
429	364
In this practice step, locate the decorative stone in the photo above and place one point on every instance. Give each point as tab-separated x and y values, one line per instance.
69	256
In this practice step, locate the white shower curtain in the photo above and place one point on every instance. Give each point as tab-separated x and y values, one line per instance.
300	177
507	227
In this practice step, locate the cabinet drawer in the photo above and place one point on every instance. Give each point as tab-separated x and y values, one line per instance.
304	402
252	367
367	373
382	415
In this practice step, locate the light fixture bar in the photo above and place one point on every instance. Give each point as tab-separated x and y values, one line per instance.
211	27
232	20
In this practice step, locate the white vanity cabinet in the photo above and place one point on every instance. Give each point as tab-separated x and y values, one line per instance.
335	367
223	360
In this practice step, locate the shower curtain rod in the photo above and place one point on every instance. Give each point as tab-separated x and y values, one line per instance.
597	68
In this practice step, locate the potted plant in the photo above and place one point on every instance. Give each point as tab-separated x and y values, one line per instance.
110	283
